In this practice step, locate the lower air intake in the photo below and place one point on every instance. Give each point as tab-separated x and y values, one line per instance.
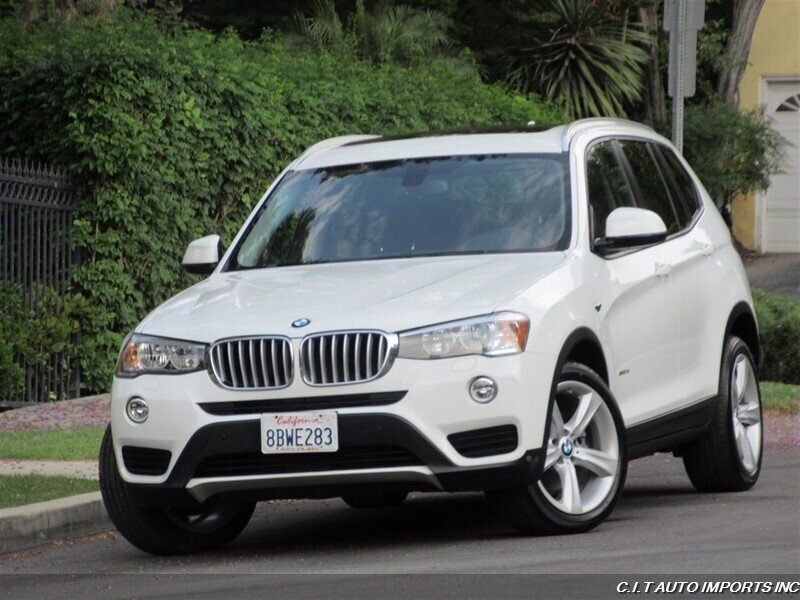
145	461
485	442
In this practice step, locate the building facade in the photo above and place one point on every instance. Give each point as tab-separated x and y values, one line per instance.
770	221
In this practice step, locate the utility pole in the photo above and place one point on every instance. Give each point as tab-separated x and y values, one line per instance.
682	19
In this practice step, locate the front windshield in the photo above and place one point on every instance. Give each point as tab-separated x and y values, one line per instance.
413	207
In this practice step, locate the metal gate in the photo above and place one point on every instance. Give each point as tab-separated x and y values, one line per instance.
36	201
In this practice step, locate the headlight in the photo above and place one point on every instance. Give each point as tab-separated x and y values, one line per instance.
147	354
491	335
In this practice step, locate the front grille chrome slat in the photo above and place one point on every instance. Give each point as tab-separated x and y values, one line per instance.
234	378
345	365
253	363
357	357
263	363
370	336
311	362
287	363
322	359
334	358
276	381
243	365
346	357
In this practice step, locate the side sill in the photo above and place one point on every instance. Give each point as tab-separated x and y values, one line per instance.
672	430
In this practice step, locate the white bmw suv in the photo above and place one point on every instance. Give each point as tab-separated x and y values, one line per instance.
516	311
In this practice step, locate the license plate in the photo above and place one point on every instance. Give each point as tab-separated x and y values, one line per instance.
299	432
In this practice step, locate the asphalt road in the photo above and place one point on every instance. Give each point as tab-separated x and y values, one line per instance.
778	273
660	526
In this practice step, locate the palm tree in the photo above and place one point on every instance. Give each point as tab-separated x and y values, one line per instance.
400	34
585	57
323	27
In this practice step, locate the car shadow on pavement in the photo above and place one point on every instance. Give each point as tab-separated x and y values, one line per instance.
330	524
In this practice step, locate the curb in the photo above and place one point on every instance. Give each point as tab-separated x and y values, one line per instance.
32	525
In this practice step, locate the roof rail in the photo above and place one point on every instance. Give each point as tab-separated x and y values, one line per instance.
573	129
330	143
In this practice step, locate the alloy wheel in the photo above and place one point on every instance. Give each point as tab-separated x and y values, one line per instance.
746	413
583	453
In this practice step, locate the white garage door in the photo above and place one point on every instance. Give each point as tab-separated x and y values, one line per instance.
781	212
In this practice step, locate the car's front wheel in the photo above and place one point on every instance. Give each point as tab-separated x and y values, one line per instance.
585	463
168	530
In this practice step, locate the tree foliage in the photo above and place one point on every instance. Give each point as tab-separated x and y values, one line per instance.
172	133
586	55
387	33
733	152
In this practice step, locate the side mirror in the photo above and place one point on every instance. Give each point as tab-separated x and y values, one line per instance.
628	227
202	255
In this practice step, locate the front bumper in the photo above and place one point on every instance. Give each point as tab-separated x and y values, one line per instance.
212	452
225	458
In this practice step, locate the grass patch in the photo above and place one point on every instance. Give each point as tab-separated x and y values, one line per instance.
781	397
52	444
18	490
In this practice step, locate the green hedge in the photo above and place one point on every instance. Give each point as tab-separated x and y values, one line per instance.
779	329
176	134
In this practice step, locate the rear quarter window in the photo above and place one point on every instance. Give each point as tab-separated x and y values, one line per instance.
651	184
684	190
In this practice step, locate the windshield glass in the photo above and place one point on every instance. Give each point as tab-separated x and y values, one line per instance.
414	207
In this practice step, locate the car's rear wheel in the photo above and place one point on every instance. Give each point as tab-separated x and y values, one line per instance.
728	457
375	499
585	463
168	530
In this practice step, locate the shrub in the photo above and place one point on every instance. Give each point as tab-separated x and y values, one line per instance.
779	331
34	331
732	151
174	134
12	332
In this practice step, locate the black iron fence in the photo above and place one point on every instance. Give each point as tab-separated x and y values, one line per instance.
36	202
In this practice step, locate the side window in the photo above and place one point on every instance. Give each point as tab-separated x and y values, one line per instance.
607	186
653	193
685	195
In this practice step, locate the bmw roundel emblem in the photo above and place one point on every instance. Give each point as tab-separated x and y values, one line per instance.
566	448
300	322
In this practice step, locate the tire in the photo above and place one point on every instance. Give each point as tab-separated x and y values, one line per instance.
538	509
375	500
166	530
719	461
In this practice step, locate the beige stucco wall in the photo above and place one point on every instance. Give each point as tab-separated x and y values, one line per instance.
775	50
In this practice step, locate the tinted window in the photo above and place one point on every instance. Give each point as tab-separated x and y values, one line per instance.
653	193
608	188
684	190
431	206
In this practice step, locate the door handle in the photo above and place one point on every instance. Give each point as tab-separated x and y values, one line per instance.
663	269
708	249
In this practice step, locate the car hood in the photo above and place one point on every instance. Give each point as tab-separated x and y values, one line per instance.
390	295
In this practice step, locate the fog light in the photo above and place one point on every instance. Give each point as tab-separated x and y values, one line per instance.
483	389
137	410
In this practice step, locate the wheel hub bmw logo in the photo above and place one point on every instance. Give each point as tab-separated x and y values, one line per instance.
566	447
297	323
